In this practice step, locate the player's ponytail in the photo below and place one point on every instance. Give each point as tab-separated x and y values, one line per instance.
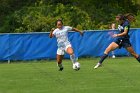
129	16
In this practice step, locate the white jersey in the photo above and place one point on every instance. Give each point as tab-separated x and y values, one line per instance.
62	36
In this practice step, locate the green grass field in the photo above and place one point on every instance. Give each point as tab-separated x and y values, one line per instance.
120	75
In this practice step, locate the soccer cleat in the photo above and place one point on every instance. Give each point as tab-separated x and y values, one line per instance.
61	69
98	65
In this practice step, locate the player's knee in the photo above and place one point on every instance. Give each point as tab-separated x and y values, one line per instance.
71	52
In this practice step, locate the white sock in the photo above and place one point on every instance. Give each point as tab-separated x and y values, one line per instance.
60	65
73	58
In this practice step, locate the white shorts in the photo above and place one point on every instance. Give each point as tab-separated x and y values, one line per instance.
61	51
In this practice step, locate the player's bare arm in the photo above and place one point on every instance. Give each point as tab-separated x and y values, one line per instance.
77	30
51	33
121	34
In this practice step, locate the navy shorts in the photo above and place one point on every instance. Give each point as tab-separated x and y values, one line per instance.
123	42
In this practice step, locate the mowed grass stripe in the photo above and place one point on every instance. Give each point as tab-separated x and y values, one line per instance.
116	75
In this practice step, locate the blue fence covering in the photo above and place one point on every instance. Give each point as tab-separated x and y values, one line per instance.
30	46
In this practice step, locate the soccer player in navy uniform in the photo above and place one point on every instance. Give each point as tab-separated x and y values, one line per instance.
122	38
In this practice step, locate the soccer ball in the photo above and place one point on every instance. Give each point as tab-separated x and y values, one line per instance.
76	66
113	56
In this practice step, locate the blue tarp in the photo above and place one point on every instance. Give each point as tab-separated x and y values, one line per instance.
32	46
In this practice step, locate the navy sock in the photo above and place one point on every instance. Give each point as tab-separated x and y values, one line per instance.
138	58
103	58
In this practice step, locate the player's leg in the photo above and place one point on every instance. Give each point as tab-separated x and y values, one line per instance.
111	47
132	52
59	62
60	55
113	55
70	51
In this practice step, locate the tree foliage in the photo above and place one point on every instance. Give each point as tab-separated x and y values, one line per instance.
42	18
40	15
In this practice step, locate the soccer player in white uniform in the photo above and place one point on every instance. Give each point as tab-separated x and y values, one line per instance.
64	45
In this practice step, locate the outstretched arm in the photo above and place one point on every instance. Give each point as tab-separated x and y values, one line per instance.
122	34
76	30
51	33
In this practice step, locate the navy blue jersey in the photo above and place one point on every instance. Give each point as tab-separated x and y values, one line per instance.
122	26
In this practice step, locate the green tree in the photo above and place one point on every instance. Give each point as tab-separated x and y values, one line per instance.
43	17
40	15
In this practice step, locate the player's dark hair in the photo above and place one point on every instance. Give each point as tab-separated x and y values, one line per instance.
130	17
59	20
128	14
121	17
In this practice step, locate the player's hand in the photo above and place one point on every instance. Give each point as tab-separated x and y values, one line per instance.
115	35
51	33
